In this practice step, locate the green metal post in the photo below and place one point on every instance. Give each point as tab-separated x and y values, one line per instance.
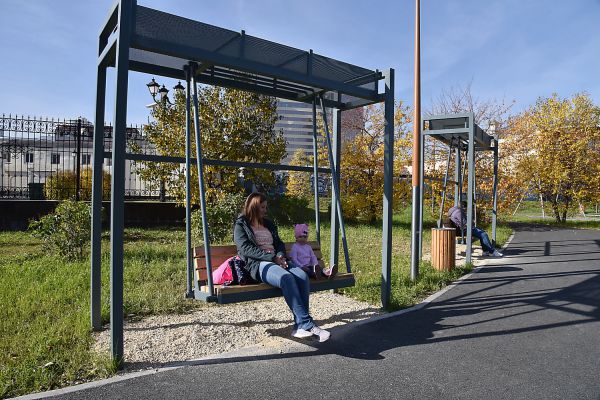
336	186
126	18
188	191
316	172
470	188
388	190
335	148
98	158
495	193
200	165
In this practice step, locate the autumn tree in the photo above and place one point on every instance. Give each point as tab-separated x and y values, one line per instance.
555	150
298	182
234	126
362	172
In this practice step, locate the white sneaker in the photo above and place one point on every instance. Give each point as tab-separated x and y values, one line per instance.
301	333
496	253
321	333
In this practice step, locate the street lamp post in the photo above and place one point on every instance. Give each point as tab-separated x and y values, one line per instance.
155	88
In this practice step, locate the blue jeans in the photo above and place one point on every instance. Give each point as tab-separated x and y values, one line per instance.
295	286
486	244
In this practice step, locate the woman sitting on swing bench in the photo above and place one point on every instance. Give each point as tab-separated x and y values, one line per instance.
259	246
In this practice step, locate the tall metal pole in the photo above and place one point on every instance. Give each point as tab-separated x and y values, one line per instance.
421	191
188	188
416	156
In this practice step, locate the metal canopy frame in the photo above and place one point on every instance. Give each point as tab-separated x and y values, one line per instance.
137	38
462	135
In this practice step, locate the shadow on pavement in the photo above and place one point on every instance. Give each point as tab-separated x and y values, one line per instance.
430	325
511	297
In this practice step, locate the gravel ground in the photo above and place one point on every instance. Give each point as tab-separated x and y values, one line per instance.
214	329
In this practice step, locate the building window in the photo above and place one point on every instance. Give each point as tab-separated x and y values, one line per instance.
29	158
86	159
6	156
55	158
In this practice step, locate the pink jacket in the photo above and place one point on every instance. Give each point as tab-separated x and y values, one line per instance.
303	255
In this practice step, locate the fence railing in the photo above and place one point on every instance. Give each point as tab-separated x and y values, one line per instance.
43	158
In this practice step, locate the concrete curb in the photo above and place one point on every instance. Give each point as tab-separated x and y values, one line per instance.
253	350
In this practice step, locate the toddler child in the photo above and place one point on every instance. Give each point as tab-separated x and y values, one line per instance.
303	255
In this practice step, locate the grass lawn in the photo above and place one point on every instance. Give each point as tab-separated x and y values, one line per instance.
530	212
44	302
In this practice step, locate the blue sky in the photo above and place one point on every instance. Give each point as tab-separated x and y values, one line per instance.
507	49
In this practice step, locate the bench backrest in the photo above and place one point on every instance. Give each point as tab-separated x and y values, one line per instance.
218	254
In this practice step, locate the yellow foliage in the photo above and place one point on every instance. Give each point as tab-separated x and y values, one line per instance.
234	126
555	150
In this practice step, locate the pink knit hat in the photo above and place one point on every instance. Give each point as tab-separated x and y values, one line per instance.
300	230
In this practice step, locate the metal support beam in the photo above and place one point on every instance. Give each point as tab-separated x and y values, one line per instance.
457	176
336	182
126	18
188	189
442	203
388	190
335	151
495	193
316	173
200	166
96	239
470	190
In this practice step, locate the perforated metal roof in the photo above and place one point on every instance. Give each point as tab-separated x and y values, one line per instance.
447	128
162	44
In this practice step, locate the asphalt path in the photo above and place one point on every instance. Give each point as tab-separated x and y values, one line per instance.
522	327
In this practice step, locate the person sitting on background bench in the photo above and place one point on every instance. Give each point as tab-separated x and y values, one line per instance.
259	246
458	216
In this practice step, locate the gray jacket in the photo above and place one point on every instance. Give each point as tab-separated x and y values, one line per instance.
248	249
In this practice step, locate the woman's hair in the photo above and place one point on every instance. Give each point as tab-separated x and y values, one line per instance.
252	207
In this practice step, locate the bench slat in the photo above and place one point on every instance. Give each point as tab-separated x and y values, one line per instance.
198	251
220	290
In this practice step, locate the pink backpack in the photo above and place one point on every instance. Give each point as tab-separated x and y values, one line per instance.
223	274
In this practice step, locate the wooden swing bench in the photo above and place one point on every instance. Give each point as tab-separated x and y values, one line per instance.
237	293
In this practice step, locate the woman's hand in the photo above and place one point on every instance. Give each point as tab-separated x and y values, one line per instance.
281	261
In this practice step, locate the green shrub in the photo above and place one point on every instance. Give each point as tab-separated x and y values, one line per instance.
287	209
221	215
67	231
62	185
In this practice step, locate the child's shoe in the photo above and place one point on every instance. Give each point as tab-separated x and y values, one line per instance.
331	272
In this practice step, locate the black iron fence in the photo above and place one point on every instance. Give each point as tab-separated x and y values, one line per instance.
43	158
